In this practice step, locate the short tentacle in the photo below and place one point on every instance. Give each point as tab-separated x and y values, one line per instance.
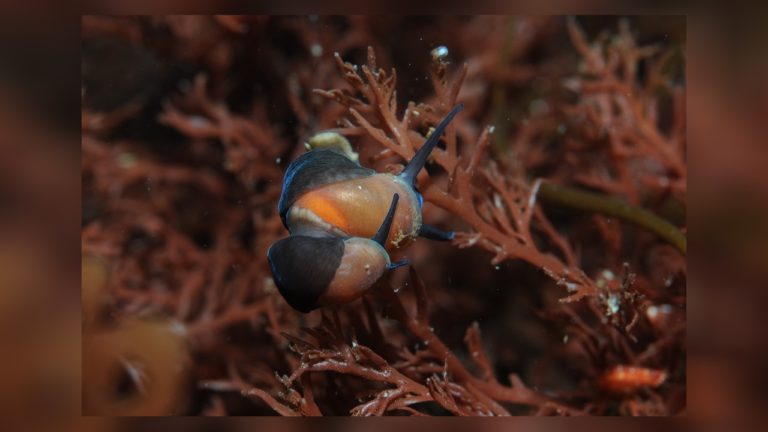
383	232
398	264
433	233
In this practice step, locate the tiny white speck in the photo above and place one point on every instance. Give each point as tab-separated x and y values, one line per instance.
497	201
608	275
316	50
613	305
440	52
278	160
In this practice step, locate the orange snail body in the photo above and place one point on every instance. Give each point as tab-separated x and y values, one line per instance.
357	207
344	220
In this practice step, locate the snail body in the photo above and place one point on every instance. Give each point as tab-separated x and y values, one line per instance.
355	207
344	221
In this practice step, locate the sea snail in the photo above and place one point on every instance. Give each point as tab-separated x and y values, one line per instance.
344	220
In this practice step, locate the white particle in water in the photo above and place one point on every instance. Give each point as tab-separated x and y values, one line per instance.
439	52
607	275
613	304
497	201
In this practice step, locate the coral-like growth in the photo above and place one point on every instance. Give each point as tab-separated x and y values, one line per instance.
581	313
617	107
498	208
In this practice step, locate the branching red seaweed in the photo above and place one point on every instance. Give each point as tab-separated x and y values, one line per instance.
578	313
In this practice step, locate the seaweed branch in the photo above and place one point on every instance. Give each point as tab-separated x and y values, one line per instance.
497	208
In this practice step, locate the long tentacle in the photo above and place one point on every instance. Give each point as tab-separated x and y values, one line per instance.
417	163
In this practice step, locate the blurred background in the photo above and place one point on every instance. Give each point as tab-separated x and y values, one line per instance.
40	296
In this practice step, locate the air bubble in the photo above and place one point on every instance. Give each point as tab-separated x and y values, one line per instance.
439	53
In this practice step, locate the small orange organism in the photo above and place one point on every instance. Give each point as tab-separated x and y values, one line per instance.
628	379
